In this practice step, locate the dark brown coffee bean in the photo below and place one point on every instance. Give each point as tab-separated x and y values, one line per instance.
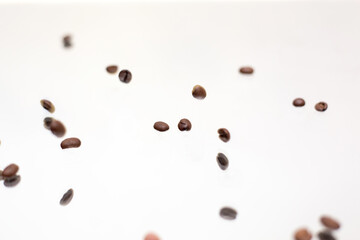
67	41
57	128
112	69
222	161
302	234
321	106
224	134
325	235
47	105
12	181
151	236
125	76
67	197
70	143
161	126
198	92
228	213
184	125
10	170
47	122
330	222
299	102
246	70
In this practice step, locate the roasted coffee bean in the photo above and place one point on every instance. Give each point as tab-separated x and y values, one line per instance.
112	69
299	102
184	125
47	105
330	222
70	143
228	213
67	41
1	176
57	128
198	92
246	70
325	235
321	106
151	236
47	122
302	234
66	199
125	76
12	181
224	134
222	161
10	170
161	126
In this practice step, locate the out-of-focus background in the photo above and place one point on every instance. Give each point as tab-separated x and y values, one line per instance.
288	166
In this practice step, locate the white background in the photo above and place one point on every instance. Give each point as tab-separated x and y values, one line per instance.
288	166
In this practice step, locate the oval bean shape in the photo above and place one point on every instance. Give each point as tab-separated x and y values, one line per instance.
70	143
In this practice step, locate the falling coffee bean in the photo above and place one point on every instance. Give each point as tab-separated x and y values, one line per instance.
228	213
325	235
66	199
184	125
70	143
12	181
67	41
246	70
57	128
224	134
222	161
161	126
299	102
112	69
151	236
302	234
47	105
125	76
198	92
47	122
10	171
330	222
321	106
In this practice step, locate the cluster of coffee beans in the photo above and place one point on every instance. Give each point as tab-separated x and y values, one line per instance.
330	225
320	106
125	75
9	175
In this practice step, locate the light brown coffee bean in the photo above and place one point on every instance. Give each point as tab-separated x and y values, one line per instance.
161	126
10	170
302	234
70	143
112	69
12	181
184	125
224	134
222	161
246	70
67	197
47	105
330	222
228	213
57	128
198	92
299	102
321	106
151	236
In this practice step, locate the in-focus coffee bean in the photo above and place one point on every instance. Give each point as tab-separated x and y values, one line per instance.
151	236
199	92
330	222
125	76
228	213
67	197
222	161
224	134
325	235
47	105
70	143
184	125
12	181
246	70
321	106
299	102
57	128
112	69
161	126
302	234
10	171
67	41
47	122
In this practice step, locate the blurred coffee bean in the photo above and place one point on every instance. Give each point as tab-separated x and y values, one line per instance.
198	92
57	128
222	161
47	105
228	213
10	171
125	76
302	234
330	222
321	106
112	69
151	236
67	41
47	122
224	134
70	143
12	181
325	235
246	70
299	102
67	197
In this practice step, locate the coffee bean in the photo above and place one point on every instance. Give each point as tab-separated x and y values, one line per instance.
10	170
47	122
222	161
151	236
246	70
12	181
321	106
330	222
57	128
1	176
298	102
125	76
66	199
112	69
70	143
67	41
47	105
161	126
224	134
184	125
198	92
302	234
326	236
228	213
